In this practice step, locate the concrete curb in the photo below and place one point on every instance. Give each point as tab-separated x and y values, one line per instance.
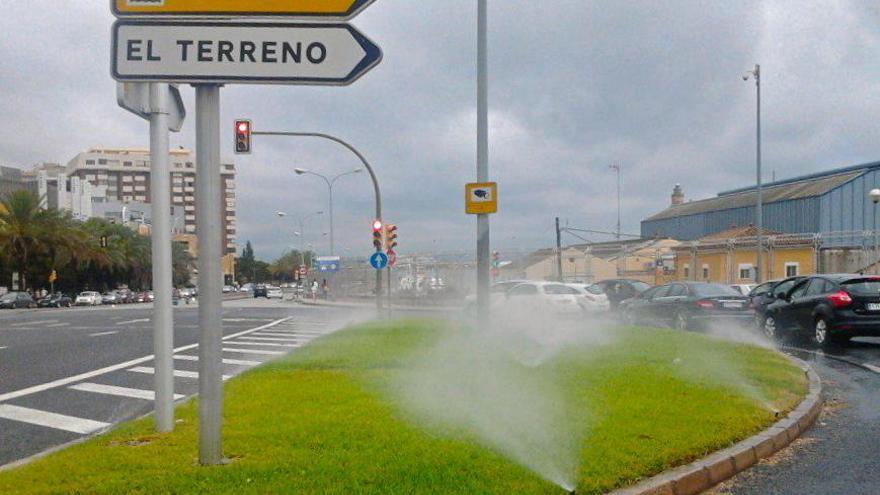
705	473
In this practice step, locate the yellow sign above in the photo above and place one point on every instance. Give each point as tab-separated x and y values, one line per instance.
481	198
340	9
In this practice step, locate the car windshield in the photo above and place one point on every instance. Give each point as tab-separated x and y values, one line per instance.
714	290
863	286
560	290
595	289
640	286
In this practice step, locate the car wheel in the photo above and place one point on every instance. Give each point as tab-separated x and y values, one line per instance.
822	332
681	321
771	330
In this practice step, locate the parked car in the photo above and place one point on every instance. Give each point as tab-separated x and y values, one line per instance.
88	298
621	289
228	289
765	294
151	296
110	298
829	309
689	305
546	296
497	294
56	300
274	293
744	289
17	300
260	291
593	299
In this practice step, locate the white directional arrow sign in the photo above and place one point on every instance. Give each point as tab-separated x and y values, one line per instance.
256	53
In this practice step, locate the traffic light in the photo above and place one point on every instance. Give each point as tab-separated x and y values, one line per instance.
377	235
242	137
390	237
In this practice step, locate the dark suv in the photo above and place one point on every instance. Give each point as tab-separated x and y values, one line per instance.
261	291
830	309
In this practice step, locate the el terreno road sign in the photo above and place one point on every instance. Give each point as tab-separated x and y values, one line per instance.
227	52
339	9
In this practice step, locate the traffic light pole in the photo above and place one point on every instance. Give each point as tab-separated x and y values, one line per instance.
208	217
370	170
163	318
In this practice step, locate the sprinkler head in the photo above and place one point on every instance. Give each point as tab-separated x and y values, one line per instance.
775	413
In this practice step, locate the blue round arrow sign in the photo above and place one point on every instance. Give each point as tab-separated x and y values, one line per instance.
379	260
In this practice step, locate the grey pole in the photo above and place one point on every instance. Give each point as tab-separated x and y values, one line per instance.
483	228
209	221
163	318
759	212
558	250
370	170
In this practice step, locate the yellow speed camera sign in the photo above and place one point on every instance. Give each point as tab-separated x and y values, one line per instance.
481	198
342	9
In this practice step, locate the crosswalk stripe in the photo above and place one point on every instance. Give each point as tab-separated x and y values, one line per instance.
101	334
252	351
131	322
177	373
134	393
50	419
264	344
239	362
272	339
273	334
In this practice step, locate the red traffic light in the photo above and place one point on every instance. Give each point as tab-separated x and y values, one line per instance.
242	137
377	226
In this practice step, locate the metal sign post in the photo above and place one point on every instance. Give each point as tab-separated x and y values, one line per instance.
482	158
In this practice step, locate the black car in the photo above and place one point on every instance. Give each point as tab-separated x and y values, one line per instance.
16	300
621	290
829	309
767	293
261	291
689	305
56	300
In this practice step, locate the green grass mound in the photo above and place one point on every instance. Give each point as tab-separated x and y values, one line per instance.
323	421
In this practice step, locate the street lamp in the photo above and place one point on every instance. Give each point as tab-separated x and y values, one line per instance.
330	183
875	197
302	225
759	211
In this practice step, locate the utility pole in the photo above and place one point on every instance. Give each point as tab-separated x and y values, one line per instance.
616	168
759	207
558	251
483	228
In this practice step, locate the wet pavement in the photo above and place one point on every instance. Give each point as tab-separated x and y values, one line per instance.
841	453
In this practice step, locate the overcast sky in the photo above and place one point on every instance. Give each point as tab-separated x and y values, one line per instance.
576	85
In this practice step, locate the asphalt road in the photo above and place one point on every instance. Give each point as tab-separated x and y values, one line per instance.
69	373
841	453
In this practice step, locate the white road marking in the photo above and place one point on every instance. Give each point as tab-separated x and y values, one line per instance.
286	334
134	393
265	344
101	334
178	373
116	367
30	323
875	369
271	339
238	362
51	420
56	325
240	320
252	351
132	322
3	347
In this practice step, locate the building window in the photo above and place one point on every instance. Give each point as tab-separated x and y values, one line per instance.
687	272
90	162
792	269
705	272
102	161
745	271
126	164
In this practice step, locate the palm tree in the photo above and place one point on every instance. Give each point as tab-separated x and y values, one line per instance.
25	231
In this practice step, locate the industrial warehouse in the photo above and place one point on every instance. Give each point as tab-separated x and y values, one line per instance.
819	223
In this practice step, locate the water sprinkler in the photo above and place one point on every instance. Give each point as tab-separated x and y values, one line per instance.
775	413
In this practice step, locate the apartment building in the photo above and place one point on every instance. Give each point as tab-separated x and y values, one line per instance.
123	175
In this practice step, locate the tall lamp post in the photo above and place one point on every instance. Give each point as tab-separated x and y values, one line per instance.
875	197
302	226
759	209
330	183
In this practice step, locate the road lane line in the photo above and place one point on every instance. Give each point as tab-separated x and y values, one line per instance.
178	373
51	420
30	323
134	393
57	325
3	347
132	322
277	334
116	367
252	351
265	344
101	334
271	339
237	362
875	369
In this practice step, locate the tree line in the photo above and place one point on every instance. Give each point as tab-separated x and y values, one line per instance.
35	241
